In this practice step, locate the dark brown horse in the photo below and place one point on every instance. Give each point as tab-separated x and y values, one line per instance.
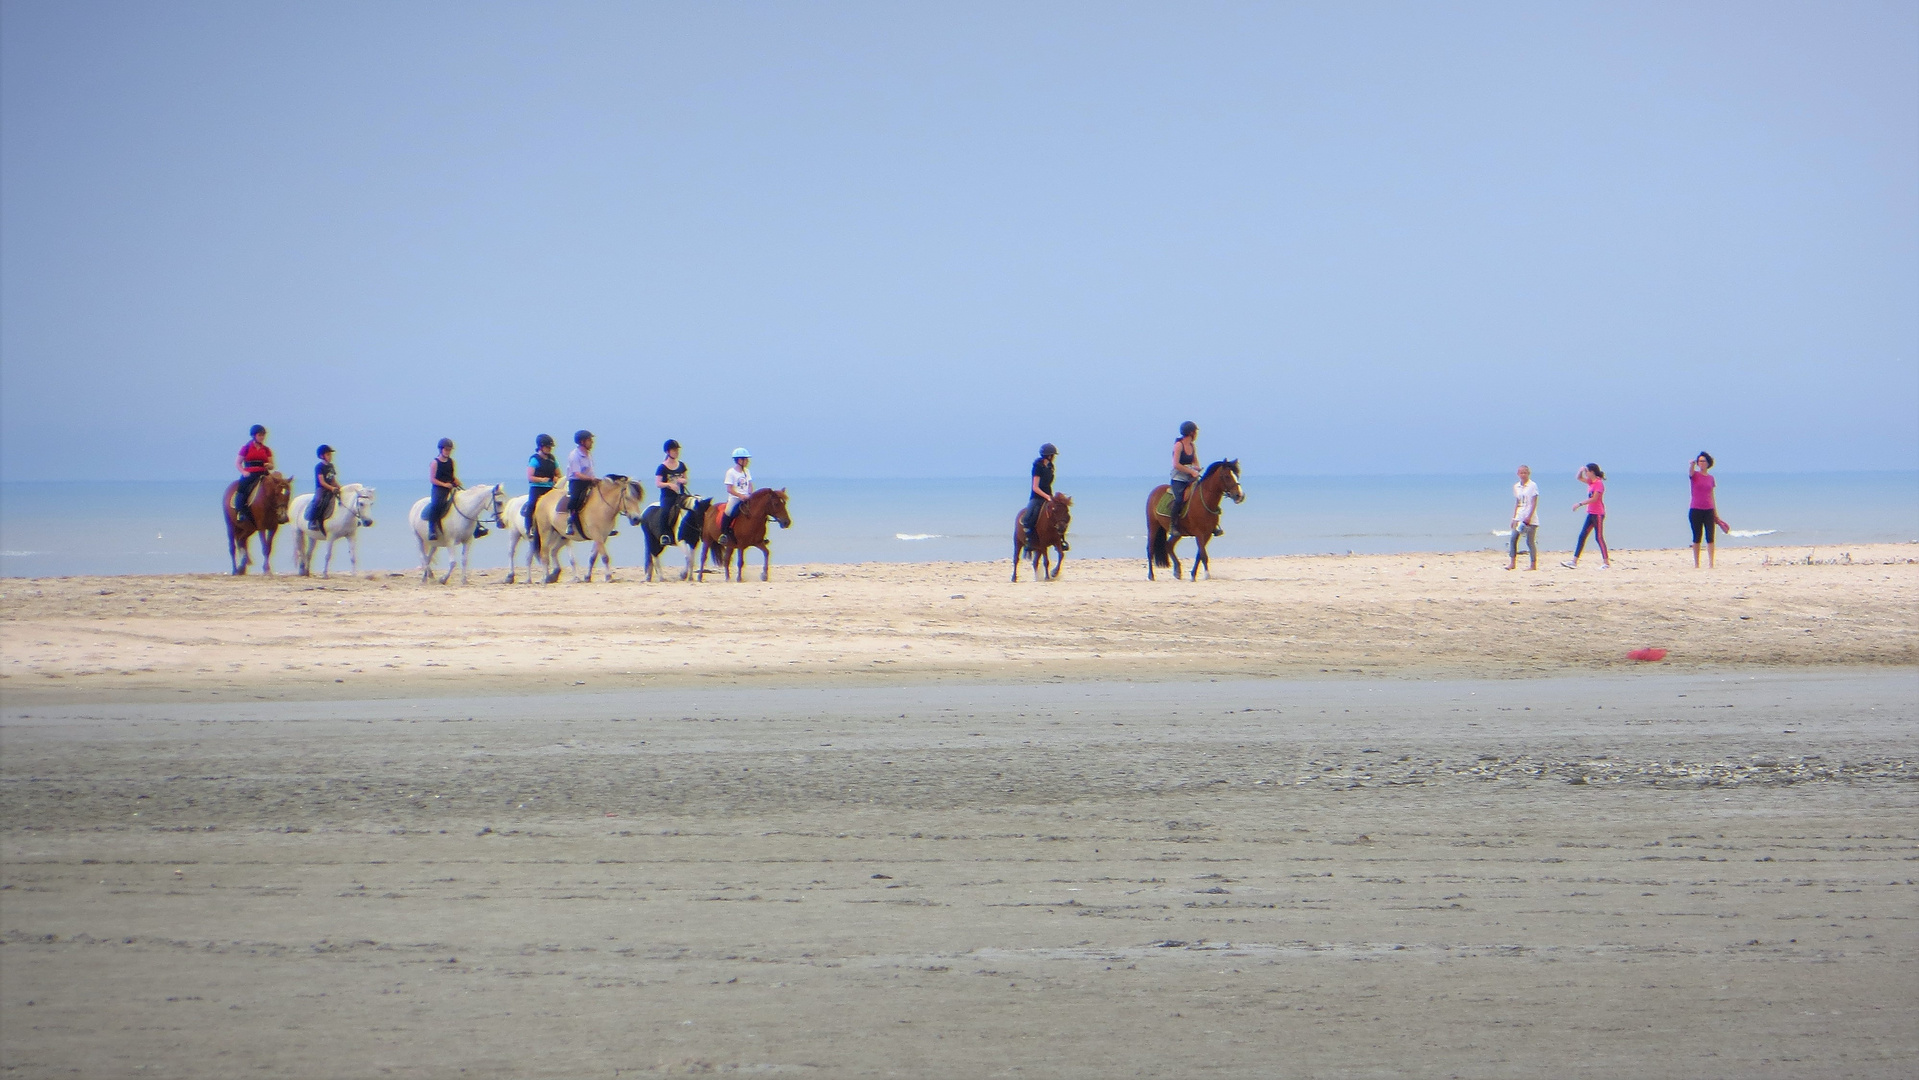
749	531
1049	535
1198	520
266	511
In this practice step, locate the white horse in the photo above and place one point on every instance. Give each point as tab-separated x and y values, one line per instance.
349	514
470	506
516	531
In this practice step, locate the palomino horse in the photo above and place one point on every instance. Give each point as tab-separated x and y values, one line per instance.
692	509
350	512
470	506
749	531
1049	535
606	500
1198	520
266	511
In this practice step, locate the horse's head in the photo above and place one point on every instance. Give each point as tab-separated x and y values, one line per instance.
364	504
776	507
688	501
1062	505
279	488
1224	478
632	500
1236	493
498	500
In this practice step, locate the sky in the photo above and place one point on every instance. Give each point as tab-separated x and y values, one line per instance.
918	240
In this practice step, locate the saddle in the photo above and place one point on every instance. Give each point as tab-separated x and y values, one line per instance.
1165	504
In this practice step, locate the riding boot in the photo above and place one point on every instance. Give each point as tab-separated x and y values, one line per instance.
573	525
479	530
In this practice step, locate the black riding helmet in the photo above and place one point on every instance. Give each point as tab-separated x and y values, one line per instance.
1048	450
323	451
543	440
446	444
257	430
1188	428
581	436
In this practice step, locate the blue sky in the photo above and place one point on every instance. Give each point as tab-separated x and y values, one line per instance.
885	239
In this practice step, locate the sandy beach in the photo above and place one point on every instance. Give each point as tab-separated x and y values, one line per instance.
1405	816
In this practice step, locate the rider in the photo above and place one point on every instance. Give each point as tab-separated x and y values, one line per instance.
1041	490
446	481
1185	468
255	461
326	489
542	473
670	478
739	484
580	479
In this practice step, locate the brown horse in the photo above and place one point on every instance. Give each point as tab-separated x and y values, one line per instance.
1049	535
749	531
266	511
1198	520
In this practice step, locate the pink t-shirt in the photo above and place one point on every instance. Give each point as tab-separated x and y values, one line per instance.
1702	485
1596	490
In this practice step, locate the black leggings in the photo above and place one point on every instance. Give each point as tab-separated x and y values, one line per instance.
1179	501
248	482
1702	521
533	495
436	510
1031	521
1595	526
322	508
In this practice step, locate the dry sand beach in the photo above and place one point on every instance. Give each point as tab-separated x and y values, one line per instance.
1404	815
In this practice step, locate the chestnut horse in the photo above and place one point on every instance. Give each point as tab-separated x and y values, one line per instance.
266	511
1049	535
749	531
1198	520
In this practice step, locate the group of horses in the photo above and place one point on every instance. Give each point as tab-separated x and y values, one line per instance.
272	505
551	536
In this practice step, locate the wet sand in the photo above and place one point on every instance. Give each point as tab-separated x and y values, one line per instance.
1692	873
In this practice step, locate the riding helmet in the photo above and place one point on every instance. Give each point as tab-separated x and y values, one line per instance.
671	445
581	436
323	451
258	429
446	444
543	440
1048	450
742	452
1188	428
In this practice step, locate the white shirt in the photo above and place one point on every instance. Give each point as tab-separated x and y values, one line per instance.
579	465
1526	496
739	482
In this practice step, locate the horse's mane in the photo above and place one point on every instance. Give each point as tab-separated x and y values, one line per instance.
1215	467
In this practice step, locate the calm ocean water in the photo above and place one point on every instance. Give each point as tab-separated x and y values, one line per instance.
174	527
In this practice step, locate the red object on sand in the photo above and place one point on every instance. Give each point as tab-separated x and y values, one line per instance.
1646	654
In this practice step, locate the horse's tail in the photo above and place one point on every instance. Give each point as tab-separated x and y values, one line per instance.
1161	550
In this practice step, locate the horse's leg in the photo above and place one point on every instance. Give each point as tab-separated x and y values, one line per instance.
1199	557
326	568
266	551
1059	563
766	563
1016	554
513	559
465	548
1172	552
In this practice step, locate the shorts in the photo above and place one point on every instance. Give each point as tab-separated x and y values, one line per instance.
1703	521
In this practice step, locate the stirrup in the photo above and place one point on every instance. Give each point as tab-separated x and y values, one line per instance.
479	531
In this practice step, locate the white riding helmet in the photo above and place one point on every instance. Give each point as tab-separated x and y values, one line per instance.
741	451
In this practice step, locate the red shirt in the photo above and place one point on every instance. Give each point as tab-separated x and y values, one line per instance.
255	457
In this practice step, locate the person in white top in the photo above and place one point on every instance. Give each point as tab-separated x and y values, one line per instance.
580	479
1525	518
739	484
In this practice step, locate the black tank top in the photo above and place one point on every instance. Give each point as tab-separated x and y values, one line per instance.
443	470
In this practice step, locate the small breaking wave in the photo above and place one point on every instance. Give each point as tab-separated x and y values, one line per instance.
917	536
1748	533
17	554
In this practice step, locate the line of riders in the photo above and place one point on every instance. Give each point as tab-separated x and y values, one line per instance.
1039	529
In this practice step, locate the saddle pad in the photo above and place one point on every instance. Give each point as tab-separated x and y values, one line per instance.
1164	507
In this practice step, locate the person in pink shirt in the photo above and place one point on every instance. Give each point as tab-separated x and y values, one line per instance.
1704	515
1595	526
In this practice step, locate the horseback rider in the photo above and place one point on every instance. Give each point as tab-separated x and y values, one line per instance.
326	490
739	484
542	473
1041	490
670	478
254	462
1185	469
446	483
580	479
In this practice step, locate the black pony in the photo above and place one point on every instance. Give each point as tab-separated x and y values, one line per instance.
692	512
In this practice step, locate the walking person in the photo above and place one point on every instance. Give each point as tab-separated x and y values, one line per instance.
326	491
1704	514
542	474
580	479
1040	490
739	484
254	461
1525	519
446	481
670	478
1595	526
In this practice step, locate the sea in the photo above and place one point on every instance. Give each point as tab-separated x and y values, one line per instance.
52	529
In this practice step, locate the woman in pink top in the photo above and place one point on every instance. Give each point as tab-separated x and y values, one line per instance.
1704	514
1595	526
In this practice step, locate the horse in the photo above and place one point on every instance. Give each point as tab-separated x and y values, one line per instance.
517	533
1049	534
469	506
266	511
691	509
606	500
349	514
749	531
1198	520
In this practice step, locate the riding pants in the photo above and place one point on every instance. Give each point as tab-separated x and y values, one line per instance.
576	492
436	510
534	493
1031	520
1179	501
323	503
669	516
248	481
